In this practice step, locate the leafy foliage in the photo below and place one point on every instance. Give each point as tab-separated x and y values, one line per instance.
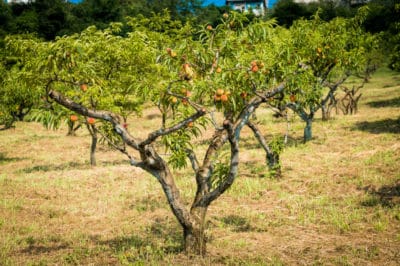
205	81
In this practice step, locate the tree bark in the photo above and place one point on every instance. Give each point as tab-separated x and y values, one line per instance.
308	130
194	236
93	150
325	112
93	133
271	156
193	221
72	129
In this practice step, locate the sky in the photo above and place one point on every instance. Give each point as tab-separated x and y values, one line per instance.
222	2
215	2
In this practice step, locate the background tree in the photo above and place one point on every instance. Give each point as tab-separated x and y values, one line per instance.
52	17
331	52
5	19
394	41
287	11
17	89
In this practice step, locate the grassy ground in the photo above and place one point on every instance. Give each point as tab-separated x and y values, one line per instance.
338	202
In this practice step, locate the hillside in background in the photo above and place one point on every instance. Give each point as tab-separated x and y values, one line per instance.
51	18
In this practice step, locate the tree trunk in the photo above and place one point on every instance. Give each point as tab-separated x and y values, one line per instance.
93	133
325	112
72	128
271	156
194	237
93	150
71	131
274	164
308	130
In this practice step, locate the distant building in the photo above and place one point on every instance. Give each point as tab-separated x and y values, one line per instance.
258	7
337	2
358	2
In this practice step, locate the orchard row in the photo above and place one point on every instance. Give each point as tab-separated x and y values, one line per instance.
199	78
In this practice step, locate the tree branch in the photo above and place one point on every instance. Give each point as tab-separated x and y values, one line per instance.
325	75
259	136
332	88
193	159
151	161
104	115
165	131
118	148
233	168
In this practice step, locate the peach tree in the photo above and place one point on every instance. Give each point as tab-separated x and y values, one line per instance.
331	52
183	82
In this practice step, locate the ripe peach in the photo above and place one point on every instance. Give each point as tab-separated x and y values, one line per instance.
91	120
217	98
185	102
84	87
224	98
219	92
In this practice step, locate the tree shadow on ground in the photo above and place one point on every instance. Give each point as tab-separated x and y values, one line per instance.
5	159
385	103
37	246
53	167
239	223
158	239
67	165
36	249
379	127
122	243
387	196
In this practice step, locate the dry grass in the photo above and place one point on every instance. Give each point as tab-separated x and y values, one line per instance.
338	202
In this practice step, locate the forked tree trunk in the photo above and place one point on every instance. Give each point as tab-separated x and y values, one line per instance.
72	128
193	221
194	237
